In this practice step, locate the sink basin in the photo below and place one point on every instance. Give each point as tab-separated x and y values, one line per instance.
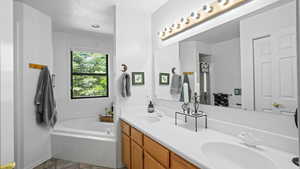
233	156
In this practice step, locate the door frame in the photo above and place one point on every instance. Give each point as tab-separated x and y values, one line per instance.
298	63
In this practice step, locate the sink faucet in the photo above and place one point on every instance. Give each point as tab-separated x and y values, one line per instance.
249	139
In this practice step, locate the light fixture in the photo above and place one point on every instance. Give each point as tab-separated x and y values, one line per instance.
176	26
223	2
169	29
207	8
207	11
184	20
195	15
96	26
161	34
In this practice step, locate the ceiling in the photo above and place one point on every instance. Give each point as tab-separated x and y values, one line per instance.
81	14
221	33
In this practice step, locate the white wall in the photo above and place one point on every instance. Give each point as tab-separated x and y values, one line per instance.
133	48
63	43
226	69
34	45
275	130
6	83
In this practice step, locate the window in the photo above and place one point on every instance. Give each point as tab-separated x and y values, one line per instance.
89	75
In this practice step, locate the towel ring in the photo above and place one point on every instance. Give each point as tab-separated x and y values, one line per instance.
173	70
125	68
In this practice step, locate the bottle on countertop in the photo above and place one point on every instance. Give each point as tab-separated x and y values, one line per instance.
150	107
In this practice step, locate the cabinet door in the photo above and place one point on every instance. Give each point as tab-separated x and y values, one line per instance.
150	163
179	163
126	150
136	156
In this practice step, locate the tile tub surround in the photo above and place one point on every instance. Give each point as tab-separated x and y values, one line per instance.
54	163
187	143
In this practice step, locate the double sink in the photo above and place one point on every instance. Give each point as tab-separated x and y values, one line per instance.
225	153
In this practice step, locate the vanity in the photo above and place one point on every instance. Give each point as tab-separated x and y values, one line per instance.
241	73
159	144
141	151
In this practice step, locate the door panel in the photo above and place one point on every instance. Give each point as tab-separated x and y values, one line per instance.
126	151
275	72
136	156
150	163
285	61
263	74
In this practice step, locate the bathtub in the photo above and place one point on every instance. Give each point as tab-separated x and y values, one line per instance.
86	141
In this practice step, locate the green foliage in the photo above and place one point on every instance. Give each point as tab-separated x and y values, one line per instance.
94	81
89	62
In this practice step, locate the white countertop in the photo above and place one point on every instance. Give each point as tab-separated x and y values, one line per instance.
187	143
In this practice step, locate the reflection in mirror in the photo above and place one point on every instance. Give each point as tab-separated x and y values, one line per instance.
249	63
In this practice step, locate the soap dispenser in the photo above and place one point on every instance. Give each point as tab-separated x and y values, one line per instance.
150	107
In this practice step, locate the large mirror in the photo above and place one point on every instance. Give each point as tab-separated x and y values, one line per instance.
249	63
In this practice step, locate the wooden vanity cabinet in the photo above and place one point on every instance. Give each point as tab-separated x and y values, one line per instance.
179	163
141	152
137	156
151	163
157	151
126	151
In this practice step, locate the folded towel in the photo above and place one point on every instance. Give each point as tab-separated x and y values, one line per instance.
185	80
44	100
176	84
125	85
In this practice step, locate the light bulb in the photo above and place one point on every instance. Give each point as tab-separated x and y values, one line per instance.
195	15
223	2
161	34
176	26
207	8
170	29
185	20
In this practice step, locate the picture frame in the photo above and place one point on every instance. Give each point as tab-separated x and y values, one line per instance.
138	78
164	78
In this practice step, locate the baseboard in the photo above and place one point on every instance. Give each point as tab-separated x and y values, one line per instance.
37	163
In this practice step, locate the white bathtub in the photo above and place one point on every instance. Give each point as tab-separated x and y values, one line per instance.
86	141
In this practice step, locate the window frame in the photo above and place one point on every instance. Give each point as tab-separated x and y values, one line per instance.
89	74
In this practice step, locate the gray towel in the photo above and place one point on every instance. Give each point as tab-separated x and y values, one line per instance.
176	84
44	100
125	85
186	80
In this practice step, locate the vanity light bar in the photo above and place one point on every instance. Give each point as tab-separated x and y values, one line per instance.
207	12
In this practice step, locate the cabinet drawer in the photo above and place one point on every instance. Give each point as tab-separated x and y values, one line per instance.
179	163
157	151
125	128
137	136
150	163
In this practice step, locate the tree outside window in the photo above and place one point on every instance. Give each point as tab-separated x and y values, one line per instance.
89	74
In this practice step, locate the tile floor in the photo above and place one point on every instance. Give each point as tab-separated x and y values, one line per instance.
62	164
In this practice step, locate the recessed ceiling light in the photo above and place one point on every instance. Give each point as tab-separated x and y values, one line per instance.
96	26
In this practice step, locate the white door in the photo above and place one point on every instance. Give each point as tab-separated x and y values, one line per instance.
262	50
275	76
285	70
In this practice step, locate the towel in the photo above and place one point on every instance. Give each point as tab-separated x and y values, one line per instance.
125	85
186	80
44	100
175	84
